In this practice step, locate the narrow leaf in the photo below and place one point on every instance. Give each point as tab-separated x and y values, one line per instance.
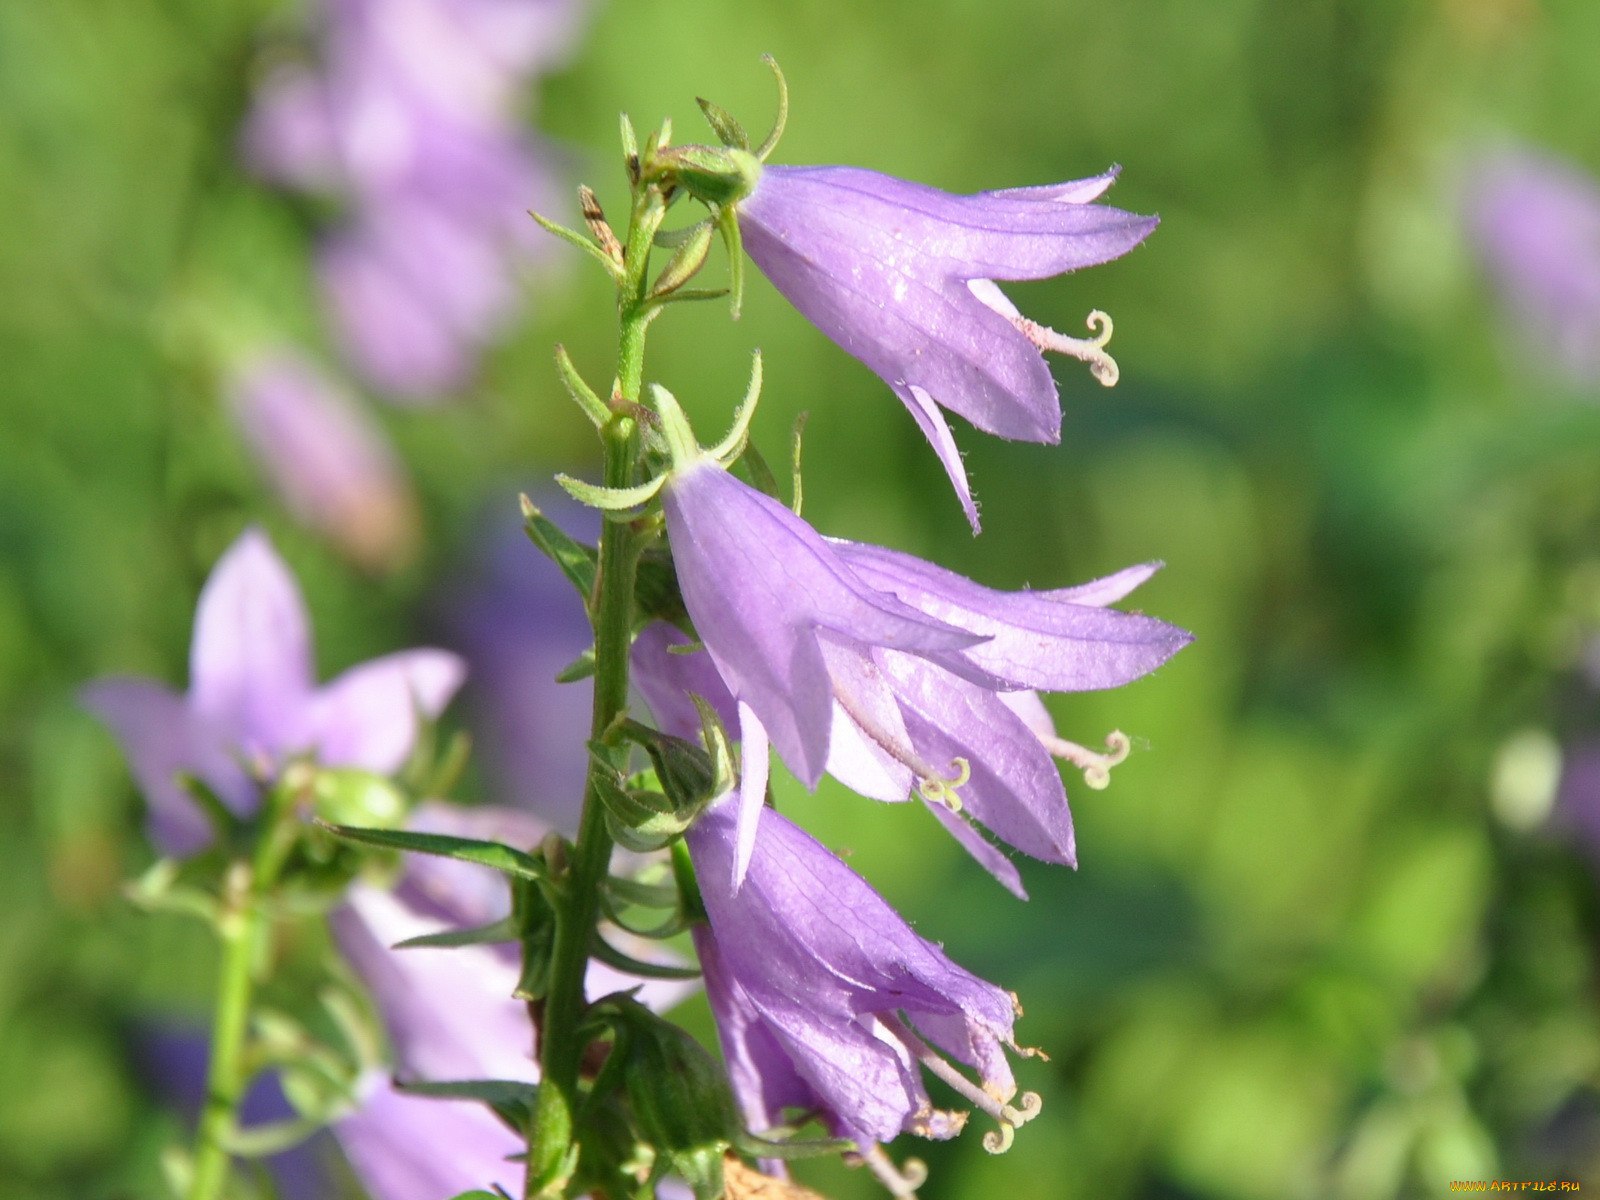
728	224
494	933
488	854
573	238
577	561
771	141
579	668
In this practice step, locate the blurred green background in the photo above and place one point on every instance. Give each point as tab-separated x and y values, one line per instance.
1321	943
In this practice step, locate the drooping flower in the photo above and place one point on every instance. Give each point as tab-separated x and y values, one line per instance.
253	702
891	673
827	1000
450	1014
901	275
412	114
1535	220
325	456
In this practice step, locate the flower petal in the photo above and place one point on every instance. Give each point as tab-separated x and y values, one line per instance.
754	765
937	430
407	1147
368	716
989	856
161	737
1061	641
250	663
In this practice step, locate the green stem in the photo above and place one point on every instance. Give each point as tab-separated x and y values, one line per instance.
551	1146
240	929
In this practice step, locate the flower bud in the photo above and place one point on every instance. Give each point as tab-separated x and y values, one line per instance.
713	174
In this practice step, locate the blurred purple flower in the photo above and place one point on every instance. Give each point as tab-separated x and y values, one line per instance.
174	1060
253	701
826	999
1535	220
890	673
517	622
450	1014
667	678
412	114
325	456
901	276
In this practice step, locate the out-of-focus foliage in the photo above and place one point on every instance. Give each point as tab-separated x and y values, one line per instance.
1320	943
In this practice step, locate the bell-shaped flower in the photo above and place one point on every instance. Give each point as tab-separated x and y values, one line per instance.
826	999
253	701
901	275
893	674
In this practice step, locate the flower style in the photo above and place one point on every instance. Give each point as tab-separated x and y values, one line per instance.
325	456
827	1000
901	275
893	674
1536	222
253	702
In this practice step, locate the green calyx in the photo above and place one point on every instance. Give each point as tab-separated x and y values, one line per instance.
716	175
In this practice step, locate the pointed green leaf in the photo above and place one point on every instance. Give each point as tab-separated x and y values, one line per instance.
796	495
573	238
731	446
511	1099
611	500
577	561
494	933
728	224
501	858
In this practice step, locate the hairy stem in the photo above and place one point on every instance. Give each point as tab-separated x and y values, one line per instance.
241	928
551	1137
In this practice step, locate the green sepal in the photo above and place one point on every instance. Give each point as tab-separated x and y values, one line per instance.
493	934
584	396
530	909
733	240
612	502
630	147
738	436
641	895
158	890
510	1099
770	143
681	1101
685	262
715	175
789	1149
573	238
723	123
607	953
685	771
579	668
272	1137
224	822
670	927
796	494
694	294
502	858
579	563
753	469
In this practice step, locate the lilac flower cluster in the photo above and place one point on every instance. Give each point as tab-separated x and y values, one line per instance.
412	116
1535	222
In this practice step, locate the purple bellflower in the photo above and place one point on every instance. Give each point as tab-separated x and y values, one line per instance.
826	999
253	703
450	1014
901	275
330	462
1536	223
412	114
893	674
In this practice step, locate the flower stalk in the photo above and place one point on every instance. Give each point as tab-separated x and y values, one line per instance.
552	1152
